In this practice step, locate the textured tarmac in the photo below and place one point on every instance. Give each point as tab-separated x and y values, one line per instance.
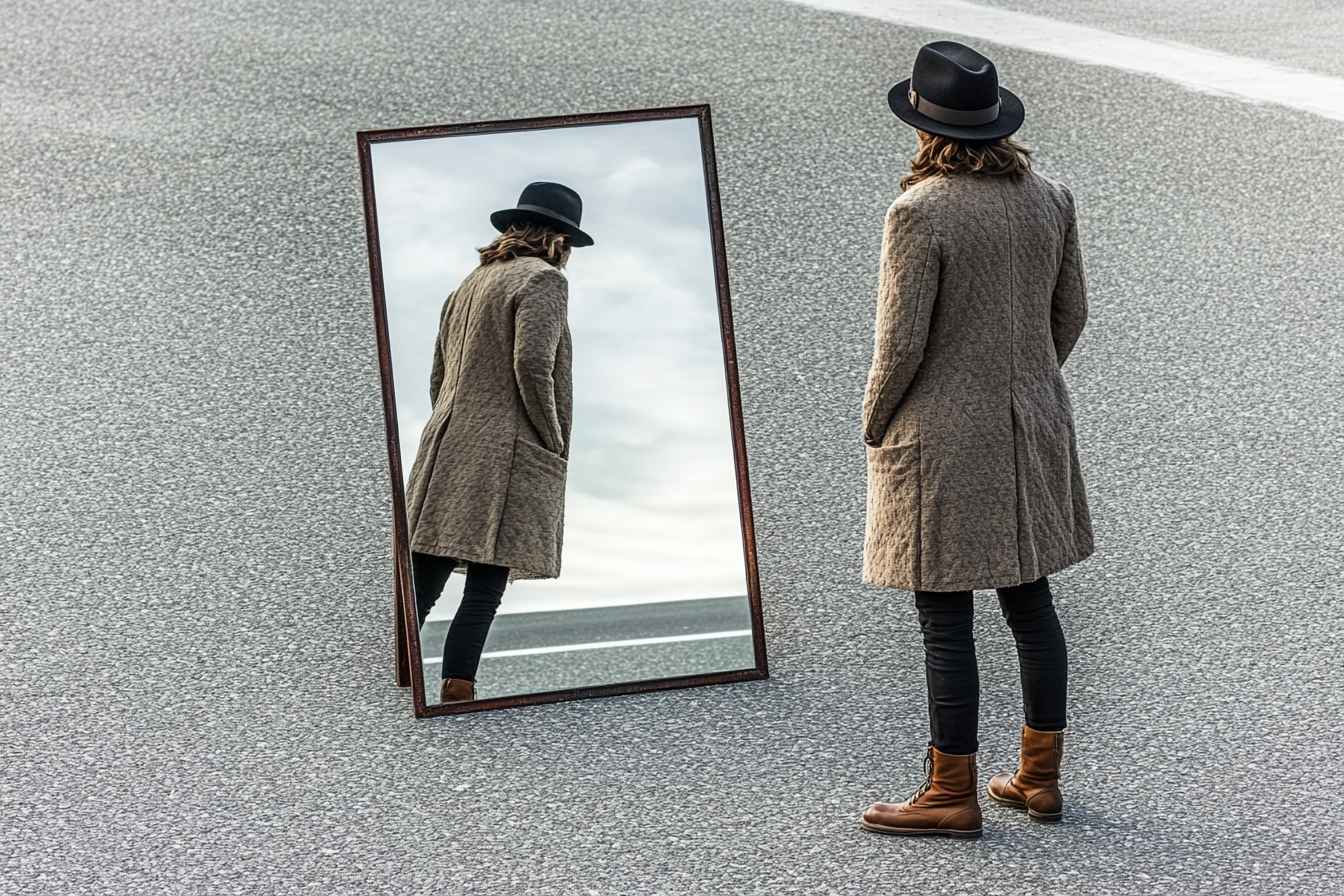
195	477
1302	34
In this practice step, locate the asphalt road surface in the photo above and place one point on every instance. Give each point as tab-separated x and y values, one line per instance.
196	690
555	650
1298	33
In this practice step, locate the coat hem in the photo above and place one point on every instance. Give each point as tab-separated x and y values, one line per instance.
982	583
518	569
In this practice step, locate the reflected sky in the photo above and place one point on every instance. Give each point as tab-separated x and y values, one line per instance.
651	509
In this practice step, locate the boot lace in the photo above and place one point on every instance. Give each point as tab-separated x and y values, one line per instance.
928	777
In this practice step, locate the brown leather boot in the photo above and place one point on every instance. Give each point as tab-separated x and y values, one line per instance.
457	690
946	803
1035	784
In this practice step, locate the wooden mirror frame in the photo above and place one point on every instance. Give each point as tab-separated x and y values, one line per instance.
407	637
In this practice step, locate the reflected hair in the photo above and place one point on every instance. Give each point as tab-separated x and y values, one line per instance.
1003	157
532	239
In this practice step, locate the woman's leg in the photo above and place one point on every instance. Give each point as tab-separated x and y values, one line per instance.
1041	653
946	619
429	573
471	624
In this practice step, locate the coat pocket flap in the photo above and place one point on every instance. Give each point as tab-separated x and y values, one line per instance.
539	457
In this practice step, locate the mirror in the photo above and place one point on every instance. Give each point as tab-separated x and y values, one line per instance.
571	509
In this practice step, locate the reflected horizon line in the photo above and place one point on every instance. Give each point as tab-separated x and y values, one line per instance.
600	645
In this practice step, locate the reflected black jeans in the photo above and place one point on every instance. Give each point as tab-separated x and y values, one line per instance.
471	623
945	618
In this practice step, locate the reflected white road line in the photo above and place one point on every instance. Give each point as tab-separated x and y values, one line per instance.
600	645
1207	71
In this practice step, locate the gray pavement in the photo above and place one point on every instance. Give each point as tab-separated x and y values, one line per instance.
196	688
1303	34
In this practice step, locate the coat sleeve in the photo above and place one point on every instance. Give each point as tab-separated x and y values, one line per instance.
540	311
1068	304
436	368
907	287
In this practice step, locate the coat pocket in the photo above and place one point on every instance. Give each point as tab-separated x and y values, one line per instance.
892	538
1047	463
530	533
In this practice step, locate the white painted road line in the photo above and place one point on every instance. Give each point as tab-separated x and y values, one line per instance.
1207	71
600	645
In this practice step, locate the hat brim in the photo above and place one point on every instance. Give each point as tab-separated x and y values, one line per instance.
506	216
1010	117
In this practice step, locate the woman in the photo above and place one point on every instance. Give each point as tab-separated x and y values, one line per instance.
973	473
487	489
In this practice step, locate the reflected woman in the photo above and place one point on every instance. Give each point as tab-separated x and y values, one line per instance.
486	493
973	471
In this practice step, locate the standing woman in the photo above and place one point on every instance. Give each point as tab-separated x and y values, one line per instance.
973	473
486	492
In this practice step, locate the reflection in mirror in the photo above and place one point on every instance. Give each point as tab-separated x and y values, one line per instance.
564	419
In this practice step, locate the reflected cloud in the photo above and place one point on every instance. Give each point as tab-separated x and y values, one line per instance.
652	508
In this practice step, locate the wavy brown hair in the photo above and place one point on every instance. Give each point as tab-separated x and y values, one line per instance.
937	154
528	239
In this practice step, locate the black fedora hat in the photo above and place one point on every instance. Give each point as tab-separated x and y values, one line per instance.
954	91
548	203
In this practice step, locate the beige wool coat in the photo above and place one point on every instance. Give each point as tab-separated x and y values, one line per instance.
974	479
488	480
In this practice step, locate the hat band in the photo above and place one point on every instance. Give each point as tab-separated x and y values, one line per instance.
548	212
953	116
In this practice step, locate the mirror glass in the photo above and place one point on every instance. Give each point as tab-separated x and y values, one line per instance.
556	343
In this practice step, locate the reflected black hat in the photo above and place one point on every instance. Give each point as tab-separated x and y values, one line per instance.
547	203
955	92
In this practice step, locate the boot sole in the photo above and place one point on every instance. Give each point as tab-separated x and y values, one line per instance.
1048	818
944	832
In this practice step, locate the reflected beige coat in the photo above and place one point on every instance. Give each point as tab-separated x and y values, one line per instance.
488	480
974	479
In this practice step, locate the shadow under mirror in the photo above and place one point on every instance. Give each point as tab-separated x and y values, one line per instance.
565	430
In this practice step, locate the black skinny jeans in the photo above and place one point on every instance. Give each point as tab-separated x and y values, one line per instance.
945	617
471	623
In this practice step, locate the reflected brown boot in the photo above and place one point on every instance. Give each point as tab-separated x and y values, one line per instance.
457	690
1035	784
946	803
